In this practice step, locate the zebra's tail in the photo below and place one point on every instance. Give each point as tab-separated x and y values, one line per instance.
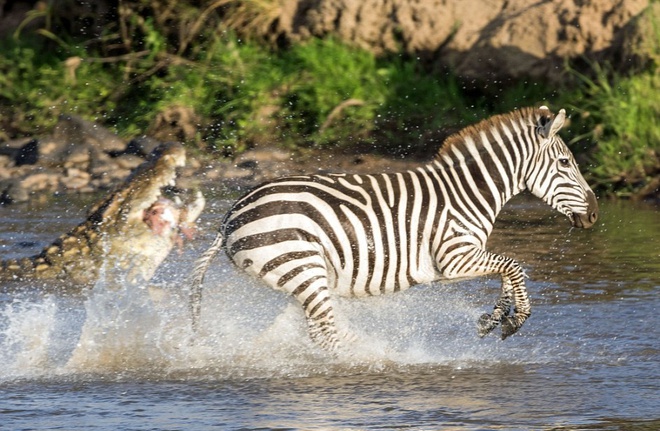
197	278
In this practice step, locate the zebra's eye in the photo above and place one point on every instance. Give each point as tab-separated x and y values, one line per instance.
563	161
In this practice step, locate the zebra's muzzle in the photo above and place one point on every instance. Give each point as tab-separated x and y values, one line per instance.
583	220
587	219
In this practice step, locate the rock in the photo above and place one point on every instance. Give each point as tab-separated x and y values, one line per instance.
21	151
141	146
263	156
176	123
234	172
40	181
635	43
11	192
536	41
76	179
482	40
5	164
20	188
128	161
28	154
47	147
260	165
108	175
72	130
78	156
99	159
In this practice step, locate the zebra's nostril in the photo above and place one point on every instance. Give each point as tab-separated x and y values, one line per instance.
593	217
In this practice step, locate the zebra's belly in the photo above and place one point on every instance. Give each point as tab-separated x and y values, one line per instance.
283	266
289	252
289	265
348	285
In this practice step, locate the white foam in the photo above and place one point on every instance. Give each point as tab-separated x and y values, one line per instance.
247	330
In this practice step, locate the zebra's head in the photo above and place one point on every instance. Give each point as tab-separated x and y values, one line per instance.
554	175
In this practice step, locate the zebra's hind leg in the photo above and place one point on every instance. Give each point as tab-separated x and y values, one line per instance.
324	333
320	316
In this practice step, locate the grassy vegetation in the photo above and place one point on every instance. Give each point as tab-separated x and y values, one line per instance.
318	94
621	116
35	87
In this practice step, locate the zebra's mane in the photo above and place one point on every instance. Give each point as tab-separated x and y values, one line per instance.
529	115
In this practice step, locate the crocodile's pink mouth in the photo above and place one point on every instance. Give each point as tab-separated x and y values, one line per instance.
171	218
162	216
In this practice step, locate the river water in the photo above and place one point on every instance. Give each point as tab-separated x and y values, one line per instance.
588	358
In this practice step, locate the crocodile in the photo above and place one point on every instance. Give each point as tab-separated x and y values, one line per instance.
126	235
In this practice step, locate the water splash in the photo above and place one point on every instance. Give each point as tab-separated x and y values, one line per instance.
119	333
25	334
122	328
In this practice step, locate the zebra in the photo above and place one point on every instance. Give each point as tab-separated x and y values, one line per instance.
317	236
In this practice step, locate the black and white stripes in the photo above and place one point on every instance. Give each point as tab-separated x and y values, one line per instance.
358	235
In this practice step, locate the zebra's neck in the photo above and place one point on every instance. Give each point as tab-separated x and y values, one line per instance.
485	165
481	176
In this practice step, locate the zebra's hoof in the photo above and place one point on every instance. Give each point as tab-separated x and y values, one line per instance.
486	324
509	327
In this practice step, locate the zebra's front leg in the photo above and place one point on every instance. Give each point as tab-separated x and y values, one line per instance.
513	284
488	322
522	309
476	262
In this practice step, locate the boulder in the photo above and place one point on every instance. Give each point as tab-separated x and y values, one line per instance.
477	39
23	184
21	151
141	145
76	180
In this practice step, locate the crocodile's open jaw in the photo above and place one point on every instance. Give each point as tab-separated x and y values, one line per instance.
162	216
172	216
150	200
152	177
164	208
154	215
127	234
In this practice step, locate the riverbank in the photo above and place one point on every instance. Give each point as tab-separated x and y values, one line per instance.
81	157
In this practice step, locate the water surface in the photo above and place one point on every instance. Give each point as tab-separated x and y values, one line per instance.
588	358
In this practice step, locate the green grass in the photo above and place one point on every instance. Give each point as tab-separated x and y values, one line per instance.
322	94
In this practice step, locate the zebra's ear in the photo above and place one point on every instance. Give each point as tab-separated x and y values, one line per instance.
549	128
